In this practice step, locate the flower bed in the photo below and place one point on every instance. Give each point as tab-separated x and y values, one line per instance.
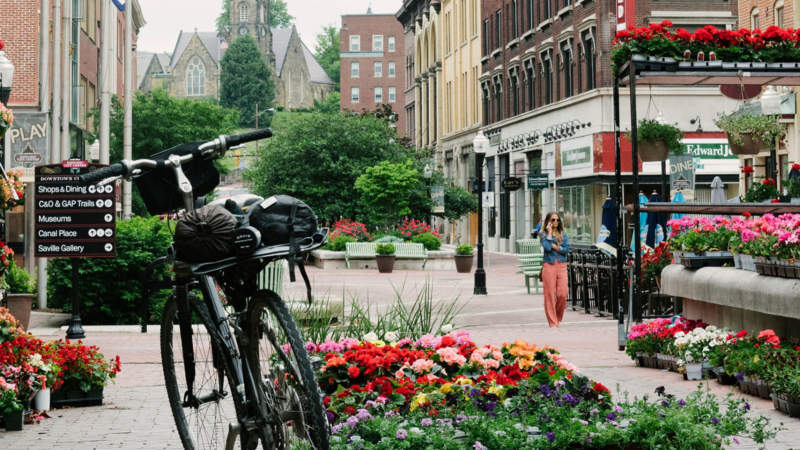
447	392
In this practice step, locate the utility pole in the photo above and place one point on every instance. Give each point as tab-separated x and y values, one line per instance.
66	81
104	81
44	106
128	121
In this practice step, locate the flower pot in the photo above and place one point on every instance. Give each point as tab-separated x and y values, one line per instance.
747	262
786	404
749	146
463	263
737	261
13	420
69	396
385	263
723	378
694	371
19	305
795	201
676	256
762	388
41	402
653	151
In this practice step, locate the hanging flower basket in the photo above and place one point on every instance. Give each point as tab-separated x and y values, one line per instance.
653	151
749	134
657	140
749	146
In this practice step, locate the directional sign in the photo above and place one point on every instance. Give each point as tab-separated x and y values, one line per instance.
73	220
538	181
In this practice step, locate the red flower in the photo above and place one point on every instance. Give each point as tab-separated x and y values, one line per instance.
349	410
796	167
326	401
748	169
433	412
768	182
2	45
741	334
746	214
353	371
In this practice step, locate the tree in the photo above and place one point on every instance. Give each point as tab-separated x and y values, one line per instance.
327	52
279	16
458	202
330	105
318	157
245	80
386	191
224	18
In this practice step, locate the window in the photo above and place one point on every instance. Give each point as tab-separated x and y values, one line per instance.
492	219
354	70
378	95
485	99
390	44
378	69
243	12
589	55
498	30
515	19
547	12
392	94
91	102
91	18
530	14
754	18
498	98
778	8
529	71
355	43
448	33
505	200
514	96
547	73
377	43
463	20
566	61
196	78
486	37
391	69
354	95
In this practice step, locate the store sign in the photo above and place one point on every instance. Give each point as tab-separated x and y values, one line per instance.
29	143
512	183
626	13
719	150
437	199
681	176
72	219
576	157
538	181
488	199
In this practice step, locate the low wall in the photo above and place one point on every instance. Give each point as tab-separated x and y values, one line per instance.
437	260
736	299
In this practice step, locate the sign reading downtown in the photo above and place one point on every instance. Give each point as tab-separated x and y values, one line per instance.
73	220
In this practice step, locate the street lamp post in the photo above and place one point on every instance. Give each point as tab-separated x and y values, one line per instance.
479	145
427	172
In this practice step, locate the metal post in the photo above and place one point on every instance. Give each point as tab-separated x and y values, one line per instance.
665	197
75	330
127	132
637	251
619	278
480	274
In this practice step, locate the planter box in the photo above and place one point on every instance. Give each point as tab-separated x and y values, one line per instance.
706	260
755	386
723	378
76	397
747	262
785	404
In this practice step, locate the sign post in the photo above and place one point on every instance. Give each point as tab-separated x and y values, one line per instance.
74	221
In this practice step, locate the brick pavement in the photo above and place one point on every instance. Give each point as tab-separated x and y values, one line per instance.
136	414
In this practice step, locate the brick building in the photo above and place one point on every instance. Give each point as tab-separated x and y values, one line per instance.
372	52
547	108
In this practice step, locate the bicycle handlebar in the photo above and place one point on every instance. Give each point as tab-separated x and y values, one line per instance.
237	139
116	169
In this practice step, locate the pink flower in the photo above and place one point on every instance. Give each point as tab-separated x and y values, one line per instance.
422	365
451	356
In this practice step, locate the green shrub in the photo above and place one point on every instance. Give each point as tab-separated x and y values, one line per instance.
464	249
18	280
339	243
384	249
427	239
111	292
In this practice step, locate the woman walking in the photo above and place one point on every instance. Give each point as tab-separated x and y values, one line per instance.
554	271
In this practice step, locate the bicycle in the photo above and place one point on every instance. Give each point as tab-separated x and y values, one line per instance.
237	369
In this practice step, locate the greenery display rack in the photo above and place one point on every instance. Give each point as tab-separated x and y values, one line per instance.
648	70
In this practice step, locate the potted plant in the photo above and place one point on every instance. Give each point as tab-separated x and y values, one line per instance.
84	373
464	258
10	406
384	256
760	192
20	292
749	134
657	140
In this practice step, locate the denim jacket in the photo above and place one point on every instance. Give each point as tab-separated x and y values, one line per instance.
551	255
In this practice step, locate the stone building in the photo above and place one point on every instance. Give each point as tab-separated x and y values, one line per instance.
299	77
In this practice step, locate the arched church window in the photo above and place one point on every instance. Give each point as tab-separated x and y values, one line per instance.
196	78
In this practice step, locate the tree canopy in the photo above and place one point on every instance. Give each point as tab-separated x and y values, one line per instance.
245	80
327	52
317	157
387	190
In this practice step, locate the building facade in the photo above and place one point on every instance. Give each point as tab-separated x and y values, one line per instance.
372	60
547	110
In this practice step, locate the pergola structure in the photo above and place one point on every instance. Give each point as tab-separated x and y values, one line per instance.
646	70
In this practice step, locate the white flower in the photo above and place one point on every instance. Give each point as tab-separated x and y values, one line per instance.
446	328
390	336
371	337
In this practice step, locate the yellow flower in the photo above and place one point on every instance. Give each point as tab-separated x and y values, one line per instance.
496	390
755	359
463	381
379	343
418	401
446	388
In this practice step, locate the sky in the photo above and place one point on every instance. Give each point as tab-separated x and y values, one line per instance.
166	18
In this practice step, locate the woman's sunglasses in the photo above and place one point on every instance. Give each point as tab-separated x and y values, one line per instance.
555	220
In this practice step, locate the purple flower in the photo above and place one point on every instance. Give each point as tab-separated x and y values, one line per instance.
474	393
665	403
426	422
617	409
401	434
714	420
461	418
543	417
352	421
682	402
478	446
735	441
389	414
490	406
740	375
445	421
336	428
363	414
569	398
331	416
611	417
370	404
746	406
550	436
594	411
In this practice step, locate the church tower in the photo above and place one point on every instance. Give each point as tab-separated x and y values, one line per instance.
252	17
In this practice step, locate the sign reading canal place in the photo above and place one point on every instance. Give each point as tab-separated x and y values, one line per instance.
73	220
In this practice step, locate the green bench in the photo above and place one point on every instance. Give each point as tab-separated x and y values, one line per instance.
528	246
411	251
359	250
530	265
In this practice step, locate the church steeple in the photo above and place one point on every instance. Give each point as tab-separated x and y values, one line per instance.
252	17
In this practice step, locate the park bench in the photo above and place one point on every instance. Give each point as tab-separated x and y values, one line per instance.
411	251
359	250
530	262
528	246
272	277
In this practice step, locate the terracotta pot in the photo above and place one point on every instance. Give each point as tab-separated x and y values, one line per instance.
19	305
653	151
385	263
464	263
748	147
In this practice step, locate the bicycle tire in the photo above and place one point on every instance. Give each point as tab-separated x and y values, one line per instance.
207	426
259	355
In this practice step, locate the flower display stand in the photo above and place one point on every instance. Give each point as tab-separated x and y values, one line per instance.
786	404
13	420
76	397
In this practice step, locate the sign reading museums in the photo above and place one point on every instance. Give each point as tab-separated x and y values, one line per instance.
72	219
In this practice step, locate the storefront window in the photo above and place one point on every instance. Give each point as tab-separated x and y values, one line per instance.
575	206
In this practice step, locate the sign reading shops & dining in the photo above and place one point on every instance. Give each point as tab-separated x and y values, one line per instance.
512	183
72	219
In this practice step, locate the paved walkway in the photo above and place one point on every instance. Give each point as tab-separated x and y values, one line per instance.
136	414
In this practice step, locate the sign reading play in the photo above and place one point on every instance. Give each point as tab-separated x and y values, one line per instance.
72	219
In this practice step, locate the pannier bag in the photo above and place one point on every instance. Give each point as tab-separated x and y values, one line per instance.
205	234
282	219
159	188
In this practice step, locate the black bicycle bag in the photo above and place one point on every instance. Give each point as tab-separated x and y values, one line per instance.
206	234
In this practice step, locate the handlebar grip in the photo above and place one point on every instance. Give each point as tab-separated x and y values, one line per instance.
237	139
103	173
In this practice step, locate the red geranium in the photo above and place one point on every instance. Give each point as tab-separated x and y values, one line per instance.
748	169
353	371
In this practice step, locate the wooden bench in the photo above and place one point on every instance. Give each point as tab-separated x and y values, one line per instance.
530	265
359	250
411	251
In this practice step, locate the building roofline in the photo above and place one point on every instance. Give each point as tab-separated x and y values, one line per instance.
368	15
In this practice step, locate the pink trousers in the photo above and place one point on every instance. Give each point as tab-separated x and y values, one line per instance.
554	280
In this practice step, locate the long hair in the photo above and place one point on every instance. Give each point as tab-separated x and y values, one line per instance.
558	232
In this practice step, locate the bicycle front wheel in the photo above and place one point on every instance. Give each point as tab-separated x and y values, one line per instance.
205	418
287	379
